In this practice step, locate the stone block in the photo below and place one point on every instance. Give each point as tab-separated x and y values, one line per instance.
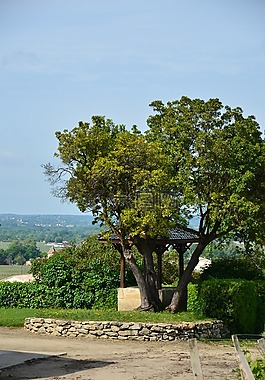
128	298
125	326
83	331
125	332
115	328
42	330
144	331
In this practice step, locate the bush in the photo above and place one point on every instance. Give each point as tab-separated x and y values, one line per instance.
25	295
260	322
232	268
193	304
106	299
86	273
37	296
82	276
257	367
239	303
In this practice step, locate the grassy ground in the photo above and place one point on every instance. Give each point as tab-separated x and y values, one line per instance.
13	317
4	244
42	246
12	270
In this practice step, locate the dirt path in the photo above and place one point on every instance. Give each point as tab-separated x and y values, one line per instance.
88	359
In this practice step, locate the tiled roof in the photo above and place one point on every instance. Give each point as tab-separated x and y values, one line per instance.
181	234
173	234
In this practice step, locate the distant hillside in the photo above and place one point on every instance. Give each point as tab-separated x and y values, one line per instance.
46	220
56	228
46	227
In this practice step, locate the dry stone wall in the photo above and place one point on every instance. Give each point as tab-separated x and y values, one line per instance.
127	331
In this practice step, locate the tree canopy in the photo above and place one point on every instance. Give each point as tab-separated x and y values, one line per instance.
124	180
117	175
218	161
196	158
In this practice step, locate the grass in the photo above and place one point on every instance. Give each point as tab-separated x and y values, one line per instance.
4	244
42	246
13	317
12	270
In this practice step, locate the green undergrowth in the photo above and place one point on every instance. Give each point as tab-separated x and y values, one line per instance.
14	317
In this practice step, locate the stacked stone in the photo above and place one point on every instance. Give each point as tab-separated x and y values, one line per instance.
127	330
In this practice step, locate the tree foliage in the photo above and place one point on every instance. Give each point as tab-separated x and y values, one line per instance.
124	180
18	252
116	174
196	158
232	268
218	163
218	158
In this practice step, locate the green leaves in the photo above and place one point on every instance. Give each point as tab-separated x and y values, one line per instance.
217	160
196	157
82	276
107	168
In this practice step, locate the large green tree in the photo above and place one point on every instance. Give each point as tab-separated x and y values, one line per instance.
125	181
208	157
218	163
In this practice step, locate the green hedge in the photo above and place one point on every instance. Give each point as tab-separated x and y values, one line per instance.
193	304
232	268
239	303
36	296
260	322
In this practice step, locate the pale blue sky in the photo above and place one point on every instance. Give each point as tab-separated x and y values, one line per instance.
62	61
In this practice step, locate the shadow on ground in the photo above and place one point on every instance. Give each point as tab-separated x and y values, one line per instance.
47	366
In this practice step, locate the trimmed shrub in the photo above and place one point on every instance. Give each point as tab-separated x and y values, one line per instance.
193	303
232	268
260	321
239	303
37	296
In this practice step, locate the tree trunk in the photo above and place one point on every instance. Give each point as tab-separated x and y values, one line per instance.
144	293
179	293
145	247
151	280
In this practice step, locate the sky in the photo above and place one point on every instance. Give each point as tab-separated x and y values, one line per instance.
62	61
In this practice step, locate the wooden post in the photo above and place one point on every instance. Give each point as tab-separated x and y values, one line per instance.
181	249
195	359
245	370
181	260
159	270
122	271
160	250
122	265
